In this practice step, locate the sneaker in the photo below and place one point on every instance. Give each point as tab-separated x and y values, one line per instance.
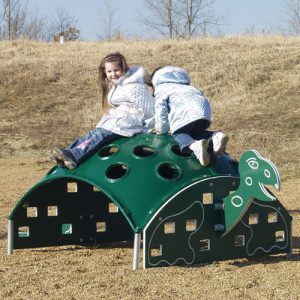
63	155
200	150
219	140
57	161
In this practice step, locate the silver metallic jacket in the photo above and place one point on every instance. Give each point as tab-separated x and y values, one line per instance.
132	105
177	103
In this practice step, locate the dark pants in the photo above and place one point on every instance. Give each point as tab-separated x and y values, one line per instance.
192	132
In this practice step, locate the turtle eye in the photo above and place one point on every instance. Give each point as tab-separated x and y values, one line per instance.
252	163
267	173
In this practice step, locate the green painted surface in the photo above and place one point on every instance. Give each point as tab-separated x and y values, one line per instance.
188	213
255	172
186	230
139	174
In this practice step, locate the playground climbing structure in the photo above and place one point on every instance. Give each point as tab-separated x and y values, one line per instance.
145	189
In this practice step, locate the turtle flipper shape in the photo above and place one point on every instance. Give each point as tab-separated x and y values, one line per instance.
255	172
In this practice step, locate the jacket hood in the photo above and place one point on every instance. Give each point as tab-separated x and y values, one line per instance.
134	74
170	74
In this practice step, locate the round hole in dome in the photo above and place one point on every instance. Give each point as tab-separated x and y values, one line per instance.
168	171
116	171
176	150
143	151
108	151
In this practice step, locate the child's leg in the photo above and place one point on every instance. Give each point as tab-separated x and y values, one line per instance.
219	140
84	146
198	147
63	158
195	137
200	150
90	143
184	140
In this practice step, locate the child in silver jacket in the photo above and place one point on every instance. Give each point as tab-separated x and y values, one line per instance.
183	111
127	105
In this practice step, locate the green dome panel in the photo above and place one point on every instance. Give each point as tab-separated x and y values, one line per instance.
139	174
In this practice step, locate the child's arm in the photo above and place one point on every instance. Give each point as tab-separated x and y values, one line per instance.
161	115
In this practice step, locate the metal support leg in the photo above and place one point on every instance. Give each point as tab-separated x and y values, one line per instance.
136	250
10	237
290	253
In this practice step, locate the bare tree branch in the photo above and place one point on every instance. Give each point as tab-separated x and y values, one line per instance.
64	24
179	18
109	27
18	21
162	17
293	16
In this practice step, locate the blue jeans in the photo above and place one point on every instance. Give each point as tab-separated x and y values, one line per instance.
90	143
192	132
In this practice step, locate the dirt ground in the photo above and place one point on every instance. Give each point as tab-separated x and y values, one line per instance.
106	273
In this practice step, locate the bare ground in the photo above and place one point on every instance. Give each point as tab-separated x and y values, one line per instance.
106	273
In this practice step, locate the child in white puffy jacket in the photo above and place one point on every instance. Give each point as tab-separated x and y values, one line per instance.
127	106
183	111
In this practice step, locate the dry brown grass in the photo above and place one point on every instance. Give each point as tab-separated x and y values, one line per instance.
105	273
48	96
49	93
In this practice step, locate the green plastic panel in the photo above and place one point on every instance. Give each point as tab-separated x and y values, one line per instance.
138	174
187	213
256	172
188	229
65	212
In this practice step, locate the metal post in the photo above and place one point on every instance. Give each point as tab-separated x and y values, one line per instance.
10	237
290	253
136	250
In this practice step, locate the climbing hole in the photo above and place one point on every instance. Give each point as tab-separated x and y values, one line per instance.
143	151
176	150
168	171
116	171
108	151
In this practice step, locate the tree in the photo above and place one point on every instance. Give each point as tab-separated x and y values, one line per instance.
179	18
108	24
63	24
13	18
162	17
197	17
37	27
18	21
293	16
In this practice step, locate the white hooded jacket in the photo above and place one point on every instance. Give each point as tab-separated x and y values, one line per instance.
132	105
177	103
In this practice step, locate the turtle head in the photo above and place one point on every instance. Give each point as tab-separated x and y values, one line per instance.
257	172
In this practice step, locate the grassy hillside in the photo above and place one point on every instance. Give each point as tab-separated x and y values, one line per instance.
49	93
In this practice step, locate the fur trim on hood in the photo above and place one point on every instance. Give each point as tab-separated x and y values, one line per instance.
134	74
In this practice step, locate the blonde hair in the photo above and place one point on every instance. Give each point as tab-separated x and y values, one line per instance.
102	79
